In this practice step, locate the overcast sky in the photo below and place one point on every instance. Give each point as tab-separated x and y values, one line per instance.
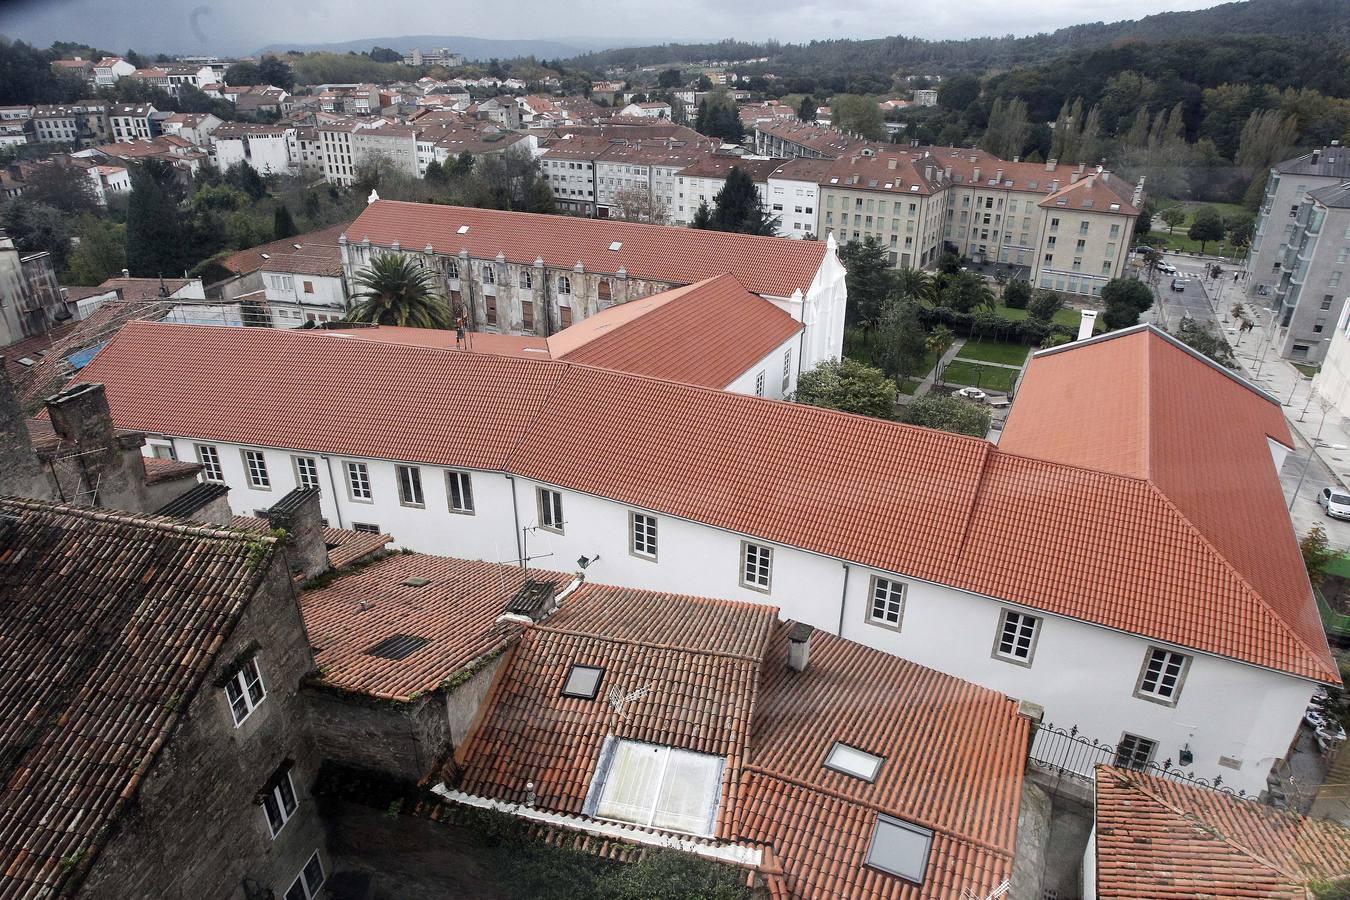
240	26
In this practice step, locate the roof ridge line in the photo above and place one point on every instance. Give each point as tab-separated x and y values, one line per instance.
632	642
148	520
1242	579
1221	835
954	833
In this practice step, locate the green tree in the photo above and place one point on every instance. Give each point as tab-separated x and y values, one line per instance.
1043	305
1125	300
243	176
868	279
1017	294
738	207
463	165
1206	226
155	225
901	343
1241	229
967	291
702	217
1203	339
66	189
1317	554
669	78
1008	128
384	54
283	226
857	114
436	174
848	386
914	284
671	875
958	92
1172	217
806	110
274	71
243	73
396	290
938	342
101	253
947	413
36	227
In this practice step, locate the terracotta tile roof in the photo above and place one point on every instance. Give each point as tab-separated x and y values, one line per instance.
144	288
768	266
876	173
759	170
1146	406
157	470
825	141
318	254
1098	192
345	546
98	638
920	503
803	169
32	348
953	756
697	660
709	333
1158	839
457	613
523	346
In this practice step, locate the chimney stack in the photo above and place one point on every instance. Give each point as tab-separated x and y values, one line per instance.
1054	185
799	647
890	163
998	176
111	471
1050	164
298	513
1317	157
976	176
1086	323
21	473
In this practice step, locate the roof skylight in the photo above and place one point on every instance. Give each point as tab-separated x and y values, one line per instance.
616	245
852	761
463	229
900	848
398	646
583	682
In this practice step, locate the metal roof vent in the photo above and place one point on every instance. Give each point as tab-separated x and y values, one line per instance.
532	600
398	646
416	582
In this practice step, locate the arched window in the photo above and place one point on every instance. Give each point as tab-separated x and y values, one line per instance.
564	284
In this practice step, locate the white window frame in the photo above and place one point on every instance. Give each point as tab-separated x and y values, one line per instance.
759	383
303	479
787	370
461	482
410	492
763	559
1132	762
241	687
893	611
665	753
211	469
564	285
359	489
839	750
1167	657
550	509
276	797
642	531
255	469
308	891
1017	621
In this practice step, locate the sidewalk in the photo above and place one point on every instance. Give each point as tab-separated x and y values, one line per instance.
926	384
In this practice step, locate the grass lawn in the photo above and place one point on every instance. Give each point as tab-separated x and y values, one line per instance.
1066	316
989	378
1178	240
994	351
908	385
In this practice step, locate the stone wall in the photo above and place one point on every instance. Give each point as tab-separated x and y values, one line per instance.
404	740
196	828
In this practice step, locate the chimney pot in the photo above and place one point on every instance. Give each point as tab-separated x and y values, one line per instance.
998	176
1086	323
1050	164
299	514
126	273
890	163
799	647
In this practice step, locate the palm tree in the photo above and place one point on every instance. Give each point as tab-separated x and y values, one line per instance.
395	290
939	341
914	284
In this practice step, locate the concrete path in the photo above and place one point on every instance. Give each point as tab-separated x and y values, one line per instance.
926	384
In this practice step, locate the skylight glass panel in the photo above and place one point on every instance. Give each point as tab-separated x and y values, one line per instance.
659	787
852	761
900	848
583	682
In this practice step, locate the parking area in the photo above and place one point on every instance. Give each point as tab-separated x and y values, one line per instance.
1312	472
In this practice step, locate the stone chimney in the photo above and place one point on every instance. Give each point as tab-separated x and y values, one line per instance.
106	467
799	647
975	177
998	176
299	514
21	472
1086	322
890	163
1050	164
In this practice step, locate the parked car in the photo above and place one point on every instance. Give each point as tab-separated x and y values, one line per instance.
1167	267
1335	503
1313	717
1178	285
971	393
1331	734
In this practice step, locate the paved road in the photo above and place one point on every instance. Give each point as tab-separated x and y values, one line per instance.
1193	300
1306	512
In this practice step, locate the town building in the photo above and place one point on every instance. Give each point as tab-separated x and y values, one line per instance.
1154	837
925	97
1332	381
1013	575
1311	287
652	110
80	124
702	181
787	138
293	282
441	56
793	194
533	267
130	121
195	128
304	149
108	181
109	70
1286	190
30	298
267	148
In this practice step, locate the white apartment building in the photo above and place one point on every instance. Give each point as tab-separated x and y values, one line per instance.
131	121
1140	630
267	148
108	181
701	182
793	194
109	70
925	97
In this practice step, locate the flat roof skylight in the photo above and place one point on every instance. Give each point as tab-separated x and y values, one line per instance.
583	682
852	761
616	245
900	848
463	229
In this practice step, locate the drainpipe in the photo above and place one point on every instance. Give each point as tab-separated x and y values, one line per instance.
843	599
332	488
515	515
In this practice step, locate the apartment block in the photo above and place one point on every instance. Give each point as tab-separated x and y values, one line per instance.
1312	288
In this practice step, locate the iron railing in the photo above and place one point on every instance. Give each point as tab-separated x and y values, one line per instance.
1067	752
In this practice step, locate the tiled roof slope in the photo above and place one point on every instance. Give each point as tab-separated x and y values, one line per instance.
318	254
768	266
1161	840
344	545
106	618
457	612
1146	406
708	333
695	660
920	503
953	755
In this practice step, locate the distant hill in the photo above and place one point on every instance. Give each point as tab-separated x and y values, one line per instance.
473	48
1319	20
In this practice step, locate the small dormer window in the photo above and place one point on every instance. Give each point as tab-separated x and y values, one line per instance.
852	761
583	682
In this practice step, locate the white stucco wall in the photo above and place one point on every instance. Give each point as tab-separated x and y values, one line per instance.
772	367
1083	674
799	201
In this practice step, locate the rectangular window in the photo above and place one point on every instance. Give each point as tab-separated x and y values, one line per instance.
490	306
852	761
459	490
759	384
245	691
886	602
1017	634
358	481
642	535
306	472
787	370
309	882
209	457
1326	301
527	314
550	509
1135	752
410	486
279	803
1161	677
255	465
900	848
756	566
659	787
